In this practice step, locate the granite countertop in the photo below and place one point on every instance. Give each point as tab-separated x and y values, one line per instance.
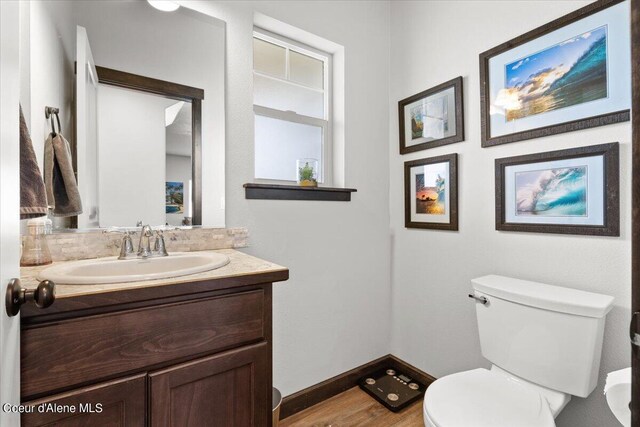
240	265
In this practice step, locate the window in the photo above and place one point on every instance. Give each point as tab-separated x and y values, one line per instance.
291	99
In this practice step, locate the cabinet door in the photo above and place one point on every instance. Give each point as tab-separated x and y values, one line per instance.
229	389
118	403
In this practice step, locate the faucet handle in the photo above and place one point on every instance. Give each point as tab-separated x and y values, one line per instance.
126	247
146	231
144	249
159	247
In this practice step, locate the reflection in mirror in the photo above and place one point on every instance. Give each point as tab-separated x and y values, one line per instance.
130	82
146	165
179	184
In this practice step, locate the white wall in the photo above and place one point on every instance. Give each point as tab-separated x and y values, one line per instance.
434	324
333	313
47	39
131	157
49	73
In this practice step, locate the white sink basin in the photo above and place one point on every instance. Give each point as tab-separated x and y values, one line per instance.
113	270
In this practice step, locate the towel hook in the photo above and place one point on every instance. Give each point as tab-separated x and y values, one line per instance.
49	112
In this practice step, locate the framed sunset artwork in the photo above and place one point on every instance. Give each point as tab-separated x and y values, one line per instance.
573	191
570	74
431	193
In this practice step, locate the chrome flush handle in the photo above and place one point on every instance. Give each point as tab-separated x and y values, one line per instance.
481	300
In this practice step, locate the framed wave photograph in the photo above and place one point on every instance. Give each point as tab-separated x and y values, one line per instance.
573	73
432	118
431	193
573	191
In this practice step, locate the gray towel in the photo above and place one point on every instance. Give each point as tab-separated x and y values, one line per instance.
59	179
33	199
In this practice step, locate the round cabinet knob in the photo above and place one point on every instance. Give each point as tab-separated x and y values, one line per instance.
44	295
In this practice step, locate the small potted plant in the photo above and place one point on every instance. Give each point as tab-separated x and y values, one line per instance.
307	172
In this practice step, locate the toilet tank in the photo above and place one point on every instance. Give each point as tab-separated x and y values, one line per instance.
549	335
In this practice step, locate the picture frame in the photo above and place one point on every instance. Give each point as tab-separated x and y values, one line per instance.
571	74
574	191
431	193
432	118
174	197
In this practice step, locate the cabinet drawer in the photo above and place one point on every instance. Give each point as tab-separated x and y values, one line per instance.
68	353
120	403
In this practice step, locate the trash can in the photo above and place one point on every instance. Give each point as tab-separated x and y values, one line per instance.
276	401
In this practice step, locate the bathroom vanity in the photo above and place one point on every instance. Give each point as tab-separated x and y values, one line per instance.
193	350
184	351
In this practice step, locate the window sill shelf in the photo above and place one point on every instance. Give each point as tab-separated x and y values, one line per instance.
294	192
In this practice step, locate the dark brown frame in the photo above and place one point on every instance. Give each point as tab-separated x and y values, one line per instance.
611	174
458	137
585	123
453	193
174	91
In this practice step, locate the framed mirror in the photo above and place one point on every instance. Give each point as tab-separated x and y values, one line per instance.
140	94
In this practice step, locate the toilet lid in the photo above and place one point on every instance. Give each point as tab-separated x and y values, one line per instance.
480	398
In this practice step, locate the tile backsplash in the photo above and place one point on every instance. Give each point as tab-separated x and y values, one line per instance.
97	244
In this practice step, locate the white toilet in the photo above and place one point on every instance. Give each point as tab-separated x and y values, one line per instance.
544	343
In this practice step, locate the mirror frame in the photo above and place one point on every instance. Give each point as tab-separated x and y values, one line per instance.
178	92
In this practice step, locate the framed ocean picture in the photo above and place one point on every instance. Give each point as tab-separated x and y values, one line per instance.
174	197
573	191
431	193
570	74
432	118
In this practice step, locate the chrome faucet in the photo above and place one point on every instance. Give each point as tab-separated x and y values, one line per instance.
144	246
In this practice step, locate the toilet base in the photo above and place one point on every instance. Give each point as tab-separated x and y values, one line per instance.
427	420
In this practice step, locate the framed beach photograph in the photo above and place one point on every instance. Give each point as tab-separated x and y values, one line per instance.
174	197
432	118
573	191
431	193
573	73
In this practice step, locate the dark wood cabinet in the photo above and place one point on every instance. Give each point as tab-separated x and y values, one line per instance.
224	390
198	358
114	343
119	403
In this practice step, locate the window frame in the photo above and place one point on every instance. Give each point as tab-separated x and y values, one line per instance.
326	172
